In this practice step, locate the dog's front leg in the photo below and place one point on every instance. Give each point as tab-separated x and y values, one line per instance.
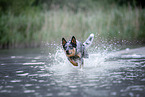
82	63
73	62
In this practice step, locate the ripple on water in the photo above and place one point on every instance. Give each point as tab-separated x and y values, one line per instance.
28	85
23	74
2	64
143	79
9	86
12	57
132	56
5	91
44	75
64	94
73	87
49	94
19	71
95	93
33	75
42	81
38	63
1	87
37	87
29	91
15	81
134	88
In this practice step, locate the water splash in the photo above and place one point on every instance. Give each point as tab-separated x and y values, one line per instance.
95	62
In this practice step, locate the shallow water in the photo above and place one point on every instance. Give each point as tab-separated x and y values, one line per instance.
47	72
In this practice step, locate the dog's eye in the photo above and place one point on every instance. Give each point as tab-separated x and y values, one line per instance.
70	47
65	47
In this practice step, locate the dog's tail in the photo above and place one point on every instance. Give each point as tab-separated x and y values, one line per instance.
89	41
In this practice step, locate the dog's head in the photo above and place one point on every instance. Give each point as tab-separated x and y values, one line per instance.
69	47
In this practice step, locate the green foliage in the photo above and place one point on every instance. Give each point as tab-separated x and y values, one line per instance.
16	7
122	23
24	23
20	29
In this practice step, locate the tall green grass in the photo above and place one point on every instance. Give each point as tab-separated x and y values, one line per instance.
109	24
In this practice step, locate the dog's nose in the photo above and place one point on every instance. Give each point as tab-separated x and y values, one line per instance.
67	52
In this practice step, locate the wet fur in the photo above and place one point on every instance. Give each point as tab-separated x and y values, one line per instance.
74	51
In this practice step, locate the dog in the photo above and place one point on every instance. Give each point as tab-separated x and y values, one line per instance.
76	51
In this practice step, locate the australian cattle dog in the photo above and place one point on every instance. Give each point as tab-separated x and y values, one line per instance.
76	51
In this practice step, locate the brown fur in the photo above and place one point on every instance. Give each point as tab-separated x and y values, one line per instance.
70	51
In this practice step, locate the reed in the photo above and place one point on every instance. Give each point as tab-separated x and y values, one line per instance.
120	24
113	24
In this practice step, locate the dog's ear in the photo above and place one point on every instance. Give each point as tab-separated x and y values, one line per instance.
73	41
63	42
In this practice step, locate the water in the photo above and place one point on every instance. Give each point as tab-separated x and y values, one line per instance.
47	72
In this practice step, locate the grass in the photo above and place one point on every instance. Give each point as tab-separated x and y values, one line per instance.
31	29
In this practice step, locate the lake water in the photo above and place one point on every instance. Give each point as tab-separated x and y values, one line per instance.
47	72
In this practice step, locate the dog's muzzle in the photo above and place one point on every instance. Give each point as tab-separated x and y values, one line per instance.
67	52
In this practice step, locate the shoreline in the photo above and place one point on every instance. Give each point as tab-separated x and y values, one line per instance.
139	51
127	51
